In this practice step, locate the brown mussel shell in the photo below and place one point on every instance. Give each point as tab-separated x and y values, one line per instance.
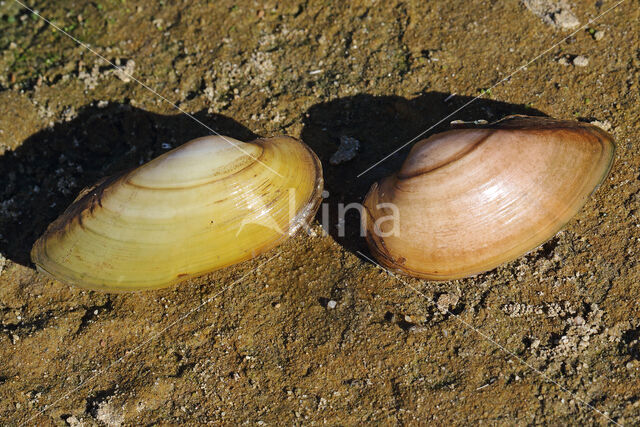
470	199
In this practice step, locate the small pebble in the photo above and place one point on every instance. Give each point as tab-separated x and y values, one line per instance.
598	35
580	61
446	302
604	125
125	73
553	12
73	421
332	304
347	150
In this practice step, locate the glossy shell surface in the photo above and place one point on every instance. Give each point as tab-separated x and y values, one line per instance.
468	200
207	204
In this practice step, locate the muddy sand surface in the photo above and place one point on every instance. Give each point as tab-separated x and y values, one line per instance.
312	332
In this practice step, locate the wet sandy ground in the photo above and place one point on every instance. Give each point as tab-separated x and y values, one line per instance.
312	332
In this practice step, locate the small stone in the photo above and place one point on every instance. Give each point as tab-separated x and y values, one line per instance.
604	125
565	19
598	35
109	414
69	114
447	301
554	13
563	61
125	73
580	61
332	304
347	150
73	421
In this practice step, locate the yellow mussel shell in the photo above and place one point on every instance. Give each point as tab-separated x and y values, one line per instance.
468	200
207	204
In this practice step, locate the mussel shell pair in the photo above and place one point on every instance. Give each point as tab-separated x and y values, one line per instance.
468	200
472	199
207	204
